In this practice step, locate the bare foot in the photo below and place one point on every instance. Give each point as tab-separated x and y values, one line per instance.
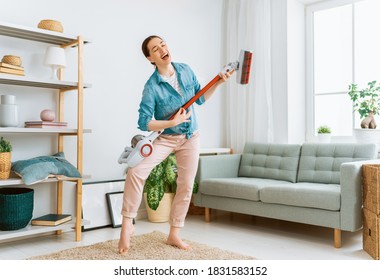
127	230
178	242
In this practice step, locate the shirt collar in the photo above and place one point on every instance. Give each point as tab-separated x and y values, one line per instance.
158	76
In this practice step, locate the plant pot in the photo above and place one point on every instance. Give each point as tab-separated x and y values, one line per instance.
324	137
5	165
162	213
366	135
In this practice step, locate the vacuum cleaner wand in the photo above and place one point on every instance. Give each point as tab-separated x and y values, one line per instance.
142	147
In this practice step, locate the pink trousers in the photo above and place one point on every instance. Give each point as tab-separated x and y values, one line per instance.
187	155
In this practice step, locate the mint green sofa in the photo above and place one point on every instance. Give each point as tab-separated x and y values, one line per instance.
318	184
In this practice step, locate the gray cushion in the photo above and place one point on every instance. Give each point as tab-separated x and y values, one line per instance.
243	187
320	163
271	161
321	196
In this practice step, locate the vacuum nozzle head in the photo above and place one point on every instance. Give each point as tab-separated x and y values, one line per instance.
244	67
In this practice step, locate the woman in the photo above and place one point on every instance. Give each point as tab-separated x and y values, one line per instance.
169	87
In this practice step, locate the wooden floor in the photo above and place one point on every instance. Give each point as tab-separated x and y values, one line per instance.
264	239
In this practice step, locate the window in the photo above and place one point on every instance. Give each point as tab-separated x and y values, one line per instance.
342	48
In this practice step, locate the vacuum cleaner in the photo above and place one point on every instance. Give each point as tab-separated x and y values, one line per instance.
142	146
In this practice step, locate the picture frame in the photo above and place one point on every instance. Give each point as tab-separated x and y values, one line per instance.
94	206
115	203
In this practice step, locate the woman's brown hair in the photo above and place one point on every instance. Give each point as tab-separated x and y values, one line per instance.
145	43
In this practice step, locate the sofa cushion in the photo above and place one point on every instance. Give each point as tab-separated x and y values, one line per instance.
320	163
243	187
270	161
321	196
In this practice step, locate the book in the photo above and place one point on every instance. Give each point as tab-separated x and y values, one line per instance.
45	123
51	220
12	71
44	126
11	66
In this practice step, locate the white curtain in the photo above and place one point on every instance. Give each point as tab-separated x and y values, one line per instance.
249	107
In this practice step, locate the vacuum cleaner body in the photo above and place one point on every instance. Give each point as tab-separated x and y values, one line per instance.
142	146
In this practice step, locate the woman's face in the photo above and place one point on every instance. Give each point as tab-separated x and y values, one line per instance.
159	52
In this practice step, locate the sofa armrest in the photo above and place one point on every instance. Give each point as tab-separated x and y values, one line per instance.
218	166
351	194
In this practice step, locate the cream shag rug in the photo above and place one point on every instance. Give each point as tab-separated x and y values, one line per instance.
147	246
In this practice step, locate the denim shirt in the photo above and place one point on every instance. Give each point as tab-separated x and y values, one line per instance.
160	100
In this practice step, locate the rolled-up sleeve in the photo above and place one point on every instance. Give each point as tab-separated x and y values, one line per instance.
146	109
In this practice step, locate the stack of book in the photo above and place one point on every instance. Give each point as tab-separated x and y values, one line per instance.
11	69
45	124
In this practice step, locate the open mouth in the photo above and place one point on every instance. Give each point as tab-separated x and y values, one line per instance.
165	56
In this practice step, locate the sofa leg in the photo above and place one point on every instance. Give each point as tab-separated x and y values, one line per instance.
207	215
337	238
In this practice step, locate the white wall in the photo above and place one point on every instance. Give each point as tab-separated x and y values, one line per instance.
288	71
117	70
279	71
296	68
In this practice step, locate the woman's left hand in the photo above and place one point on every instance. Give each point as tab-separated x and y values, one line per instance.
225	75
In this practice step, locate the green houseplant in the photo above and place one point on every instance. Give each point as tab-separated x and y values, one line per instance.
162	181
324	134
5	158
366	103
324	129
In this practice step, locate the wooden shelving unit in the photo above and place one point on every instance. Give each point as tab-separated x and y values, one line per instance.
64	41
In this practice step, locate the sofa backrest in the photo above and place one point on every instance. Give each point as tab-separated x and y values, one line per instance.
270	161
320	163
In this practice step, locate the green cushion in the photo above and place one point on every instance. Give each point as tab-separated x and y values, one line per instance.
242	187
321	196
37	169
270	161
320	163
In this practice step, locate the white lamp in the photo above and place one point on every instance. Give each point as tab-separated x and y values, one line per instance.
55	58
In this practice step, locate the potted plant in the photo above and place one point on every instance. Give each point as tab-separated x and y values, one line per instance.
324	134
367	103
160	188
5	158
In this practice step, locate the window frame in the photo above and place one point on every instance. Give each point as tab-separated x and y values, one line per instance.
310	94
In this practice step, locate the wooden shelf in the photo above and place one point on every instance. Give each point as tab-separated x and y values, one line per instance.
8	79
32	230
36	34
18	181
62	131
64	41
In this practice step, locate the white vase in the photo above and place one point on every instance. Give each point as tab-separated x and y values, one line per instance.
324	137
8	111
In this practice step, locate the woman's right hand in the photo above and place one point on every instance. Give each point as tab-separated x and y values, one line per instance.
181	116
